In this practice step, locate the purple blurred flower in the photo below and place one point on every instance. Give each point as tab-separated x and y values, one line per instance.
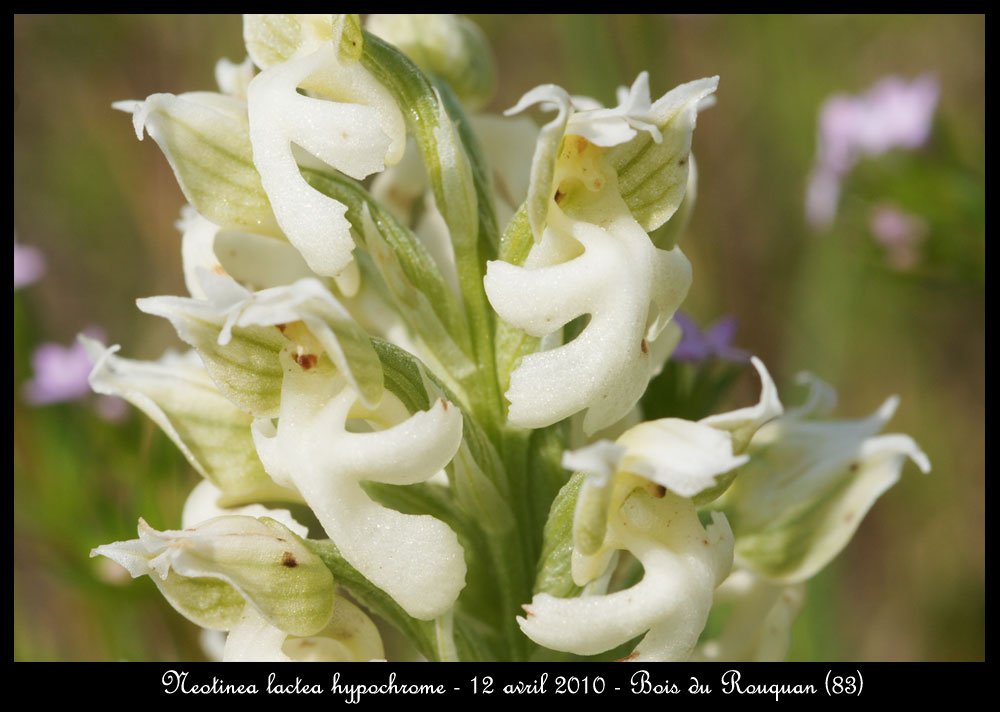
29	264
713	342
900	233
892	114
61	374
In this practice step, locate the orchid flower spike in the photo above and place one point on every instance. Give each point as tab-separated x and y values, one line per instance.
427	333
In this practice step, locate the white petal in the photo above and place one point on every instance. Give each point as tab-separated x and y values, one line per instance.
540	186
254	640
233	79
607	367
681	455
744	422
133	555
822	397
758	628
255	261
358	134
683	563
600	458
807	487
197	249
549	95
415	559
610	127
314	223
202	505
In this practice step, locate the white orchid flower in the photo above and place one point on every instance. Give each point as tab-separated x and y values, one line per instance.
651	178
683	563
629	288
358	132
684	457
637	497
349	636
416	559
809	483
238	548
593	255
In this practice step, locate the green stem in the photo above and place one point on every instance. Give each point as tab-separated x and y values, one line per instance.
451	175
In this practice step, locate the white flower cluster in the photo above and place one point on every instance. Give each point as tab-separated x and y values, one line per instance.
396	364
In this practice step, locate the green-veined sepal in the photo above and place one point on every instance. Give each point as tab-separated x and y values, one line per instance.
210	572
206	138
177	393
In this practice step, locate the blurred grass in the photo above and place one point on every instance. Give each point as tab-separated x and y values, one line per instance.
101	206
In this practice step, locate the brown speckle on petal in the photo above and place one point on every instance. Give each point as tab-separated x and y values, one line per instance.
305	361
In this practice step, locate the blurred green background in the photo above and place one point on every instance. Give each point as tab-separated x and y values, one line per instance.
102	206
